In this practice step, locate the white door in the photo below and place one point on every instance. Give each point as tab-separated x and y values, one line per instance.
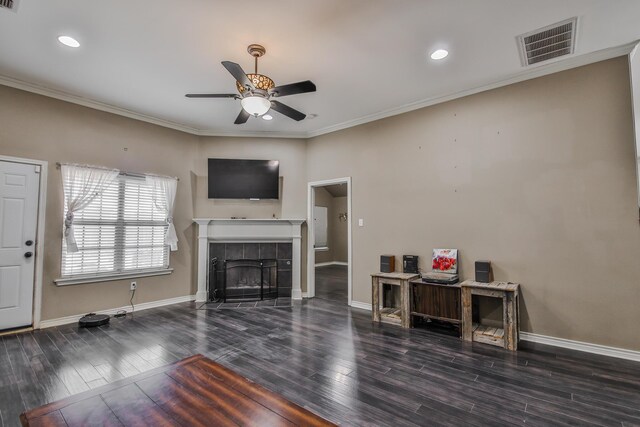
320	226
19	189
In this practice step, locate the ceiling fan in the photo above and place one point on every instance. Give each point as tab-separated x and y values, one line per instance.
256	91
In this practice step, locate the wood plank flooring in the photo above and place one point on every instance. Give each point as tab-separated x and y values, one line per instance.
333	361
331	283
195	391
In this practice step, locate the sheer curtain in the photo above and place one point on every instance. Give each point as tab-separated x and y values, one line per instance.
82	184
164	195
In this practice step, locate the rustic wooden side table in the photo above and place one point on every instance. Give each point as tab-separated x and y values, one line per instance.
506	337
394	313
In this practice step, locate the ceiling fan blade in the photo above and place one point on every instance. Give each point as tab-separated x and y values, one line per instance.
239	74
242	117
212	95
293	88
287	111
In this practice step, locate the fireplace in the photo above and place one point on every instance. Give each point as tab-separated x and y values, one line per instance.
221	240
238	272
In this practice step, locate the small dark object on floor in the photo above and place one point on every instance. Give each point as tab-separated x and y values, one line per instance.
91	320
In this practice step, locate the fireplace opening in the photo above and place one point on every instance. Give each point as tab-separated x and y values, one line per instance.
245	280
250	280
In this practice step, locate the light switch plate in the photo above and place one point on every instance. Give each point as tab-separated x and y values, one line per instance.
360	222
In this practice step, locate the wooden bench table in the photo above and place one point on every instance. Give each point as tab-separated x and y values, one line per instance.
507	336
399	315
436	301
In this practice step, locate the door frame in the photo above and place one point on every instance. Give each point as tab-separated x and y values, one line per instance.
311	253
39	248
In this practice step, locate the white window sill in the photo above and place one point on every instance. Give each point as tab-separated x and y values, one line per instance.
322	249
77	280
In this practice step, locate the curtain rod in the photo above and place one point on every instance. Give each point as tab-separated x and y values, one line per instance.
132	174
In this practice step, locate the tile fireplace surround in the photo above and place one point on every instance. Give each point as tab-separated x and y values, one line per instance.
248	231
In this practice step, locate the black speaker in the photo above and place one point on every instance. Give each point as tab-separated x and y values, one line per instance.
387	263
410	264
483	272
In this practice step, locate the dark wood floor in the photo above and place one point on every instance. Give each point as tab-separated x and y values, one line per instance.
333	361
194	392
331	283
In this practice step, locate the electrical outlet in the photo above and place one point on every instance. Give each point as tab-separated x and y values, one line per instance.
134	286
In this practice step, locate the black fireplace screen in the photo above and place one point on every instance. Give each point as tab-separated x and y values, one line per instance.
247	279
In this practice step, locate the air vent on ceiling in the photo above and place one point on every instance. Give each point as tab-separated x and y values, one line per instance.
548	43
9	4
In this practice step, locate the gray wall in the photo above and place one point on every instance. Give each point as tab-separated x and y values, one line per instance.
538	177
37	127
42	128
338	229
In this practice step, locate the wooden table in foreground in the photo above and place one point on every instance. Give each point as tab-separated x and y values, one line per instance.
192	392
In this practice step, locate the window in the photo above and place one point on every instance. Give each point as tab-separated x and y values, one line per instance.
120	232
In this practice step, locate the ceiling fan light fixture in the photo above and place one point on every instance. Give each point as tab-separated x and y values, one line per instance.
257	90
255	105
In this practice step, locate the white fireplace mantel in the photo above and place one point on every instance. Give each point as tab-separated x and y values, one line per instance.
248	230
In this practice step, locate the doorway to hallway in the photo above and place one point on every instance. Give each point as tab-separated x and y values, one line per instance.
329	243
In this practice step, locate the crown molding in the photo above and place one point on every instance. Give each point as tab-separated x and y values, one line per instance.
97	105
256	134
537	71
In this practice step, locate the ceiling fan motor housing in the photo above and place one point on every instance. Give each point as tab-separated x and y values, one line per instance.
260	81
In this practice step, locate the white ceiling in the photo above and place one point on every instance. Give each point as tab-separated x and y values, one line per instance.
337	190
368	58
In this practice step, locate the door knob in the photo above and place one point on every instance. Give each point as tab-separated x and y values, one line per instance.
28	254
29	242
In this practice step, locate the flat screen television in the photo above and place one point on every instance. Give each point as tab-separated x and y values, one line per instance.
243	179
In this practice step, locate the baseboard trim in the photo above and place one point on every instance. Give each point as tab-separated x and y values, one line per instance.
586	347
324	264
361	305
16	331
305	295
138	307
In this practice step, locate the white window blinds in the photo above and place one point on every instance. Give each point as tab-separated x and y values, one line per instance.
122	230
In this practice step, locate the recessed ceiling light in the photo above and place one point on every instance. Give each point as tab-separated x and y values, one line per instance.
267	117
439	54
68	41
